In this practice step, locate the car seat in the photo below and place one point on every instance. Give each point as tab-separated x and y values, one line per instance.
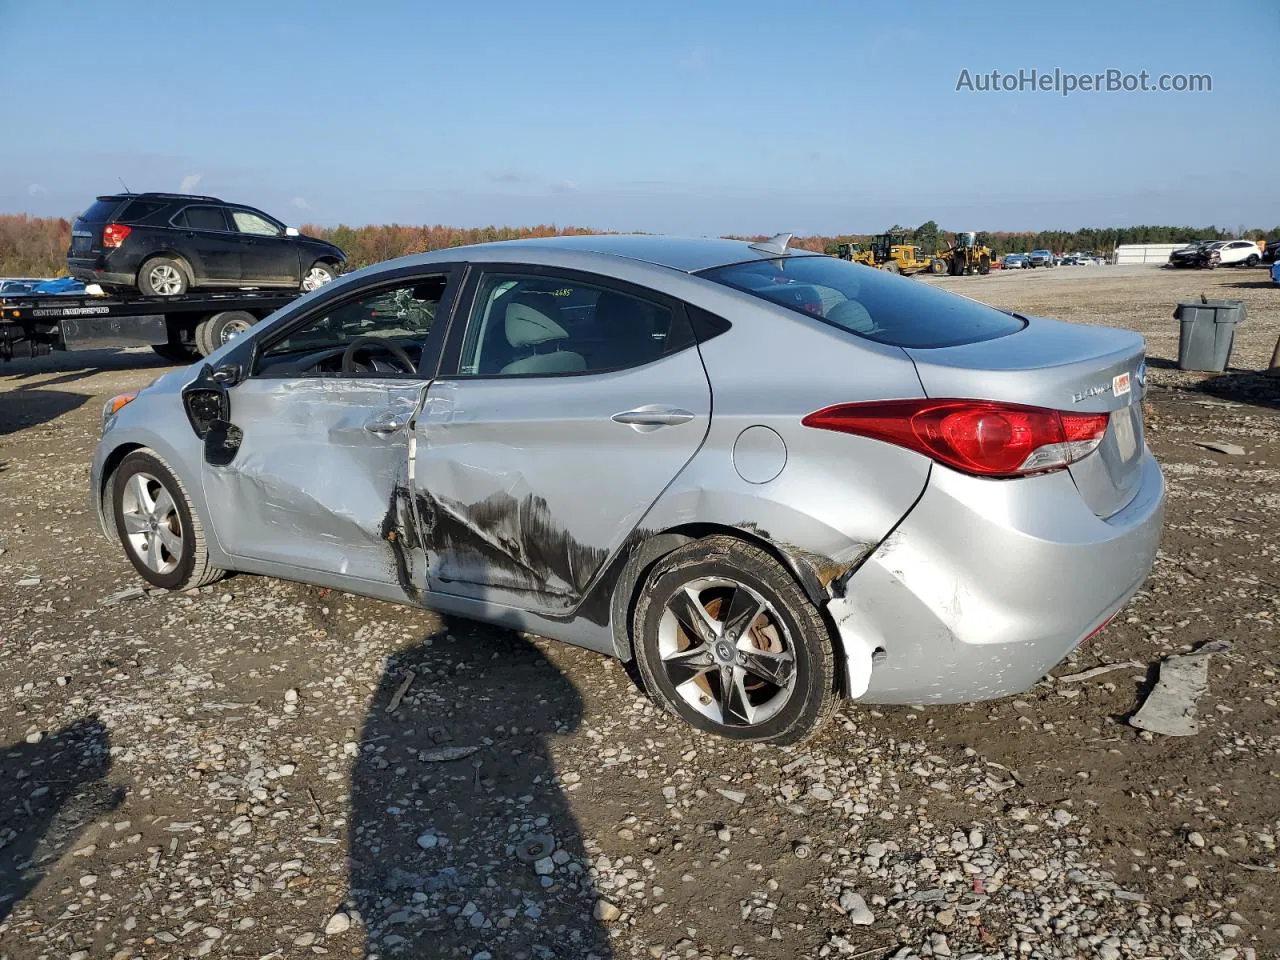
535	337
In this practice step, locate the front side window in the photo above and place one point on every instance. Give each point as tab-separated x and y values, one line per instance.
402	315
540	325
202	218
868	302
248	222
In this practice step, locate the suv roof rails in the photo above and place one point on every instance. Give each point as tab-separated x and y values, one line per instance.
162	195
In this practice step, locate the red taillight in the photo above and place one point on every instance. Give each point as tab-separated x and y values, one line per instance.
113	234
980	437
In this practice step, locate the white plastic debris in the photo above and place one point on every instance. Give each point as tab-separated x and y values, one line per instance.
1170	708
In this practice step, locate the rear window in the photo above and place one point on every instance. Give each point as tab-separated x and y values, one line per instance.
201	218
139	210
868	302
100	210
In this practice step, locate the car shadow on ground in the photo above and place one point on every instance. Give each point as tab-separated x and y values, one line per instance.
76	365
29	407
49	791
456	803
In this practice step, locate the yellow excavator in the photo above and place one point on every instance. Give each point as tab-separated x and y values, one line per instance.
966	256
891	252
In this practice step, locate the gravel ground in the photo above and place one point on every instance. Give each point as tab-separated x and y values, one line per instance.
266	769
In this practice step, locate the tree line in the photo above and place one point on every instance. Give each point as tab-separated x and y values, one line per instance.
37	246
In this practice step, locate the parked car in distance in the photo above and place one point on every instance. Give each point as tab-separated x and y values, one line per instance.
1015	261
1040	258
432	431
165	244
1200	254
1272	252
1239	253
1275	272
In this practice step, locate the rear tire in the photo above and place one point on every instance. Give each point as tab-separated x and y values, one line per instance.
1251	260
760	633
892	267
157	525
163	277
222	327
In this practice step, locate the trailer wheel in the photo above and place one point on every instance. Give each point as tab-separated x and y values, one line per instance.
163	277
222	328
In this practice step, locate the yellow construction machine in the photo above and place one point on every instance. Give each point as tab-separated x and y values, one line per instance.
966	256
891	252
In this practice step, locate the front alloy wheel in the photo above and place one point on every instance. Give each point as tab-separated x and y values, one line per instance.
726	639
157	524
318	276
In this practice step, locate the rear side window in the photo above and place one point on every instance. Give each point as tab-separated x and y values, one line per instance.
100	210
868	302
548	326
201	218
139	210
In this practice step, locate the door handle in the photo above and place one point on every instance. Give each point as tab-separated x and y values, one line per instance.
653	415
386	423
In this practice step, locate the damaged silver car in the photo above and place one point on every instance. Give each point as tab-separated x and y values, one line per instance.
773	478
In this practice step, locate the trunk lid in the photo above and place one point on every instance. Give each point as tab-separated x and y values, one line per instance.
86	231
1061	366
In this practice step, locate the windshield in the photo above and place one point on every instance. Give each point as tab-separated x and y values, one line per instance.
868	302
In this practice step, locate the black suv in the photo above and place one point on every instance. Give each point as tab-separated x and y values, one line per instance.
164	244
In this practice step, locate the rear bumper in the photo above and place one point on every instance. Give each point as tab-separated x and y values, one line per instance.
99	270
987	585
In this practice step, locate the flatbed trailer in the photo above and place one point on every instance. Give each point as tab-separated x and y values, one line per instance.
179	329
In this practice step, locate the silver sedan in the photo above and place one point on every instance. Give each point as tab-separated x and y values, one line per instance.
771	478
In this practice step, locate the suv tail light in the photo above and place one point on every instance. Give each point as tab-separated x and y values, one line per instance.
113	234
979	437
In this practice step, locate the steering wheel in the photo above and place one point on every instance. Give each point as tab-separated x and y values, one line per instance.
371	344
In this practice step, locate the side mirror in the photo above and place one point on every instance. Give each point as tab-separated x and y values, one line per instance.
227	375
291	232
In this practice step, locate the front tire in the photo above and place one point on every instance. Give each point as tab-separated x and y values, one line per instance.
157	525
984	266
892	267
163	277
726	640
318	275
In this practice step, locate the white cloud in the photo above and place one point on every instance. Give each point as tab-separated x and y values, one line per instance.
300	203
36	189
564	186
190	182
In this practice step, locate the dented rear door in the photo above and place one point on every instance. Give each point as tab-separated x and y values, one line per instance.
526	485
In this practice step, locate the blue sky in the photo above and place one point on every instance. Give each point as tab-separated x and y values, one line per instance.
698	118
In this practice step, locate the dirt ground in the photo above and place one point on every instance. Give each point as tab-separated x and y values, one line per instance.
263	769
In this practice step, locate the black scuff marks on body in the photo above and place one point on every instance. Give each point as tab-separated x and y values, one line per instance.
517	541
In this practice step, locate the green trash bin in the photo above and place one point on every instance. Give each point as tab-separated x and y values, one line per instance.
1206	333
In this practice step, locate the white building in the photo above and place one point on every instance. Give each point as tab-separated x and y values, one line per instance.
1139	253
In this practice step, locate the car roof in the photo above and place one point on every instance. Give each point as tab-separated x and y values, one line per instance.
686	254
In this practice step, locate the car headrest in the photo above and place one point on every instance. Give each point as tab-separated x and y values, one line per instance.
529	320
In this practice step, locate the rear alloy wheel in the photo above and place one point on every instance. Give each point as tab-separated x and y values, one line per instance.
157	526
163	277
726	639
318	276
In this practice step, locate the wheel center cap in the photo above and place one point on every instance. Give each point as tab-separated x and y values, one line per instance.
724	651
